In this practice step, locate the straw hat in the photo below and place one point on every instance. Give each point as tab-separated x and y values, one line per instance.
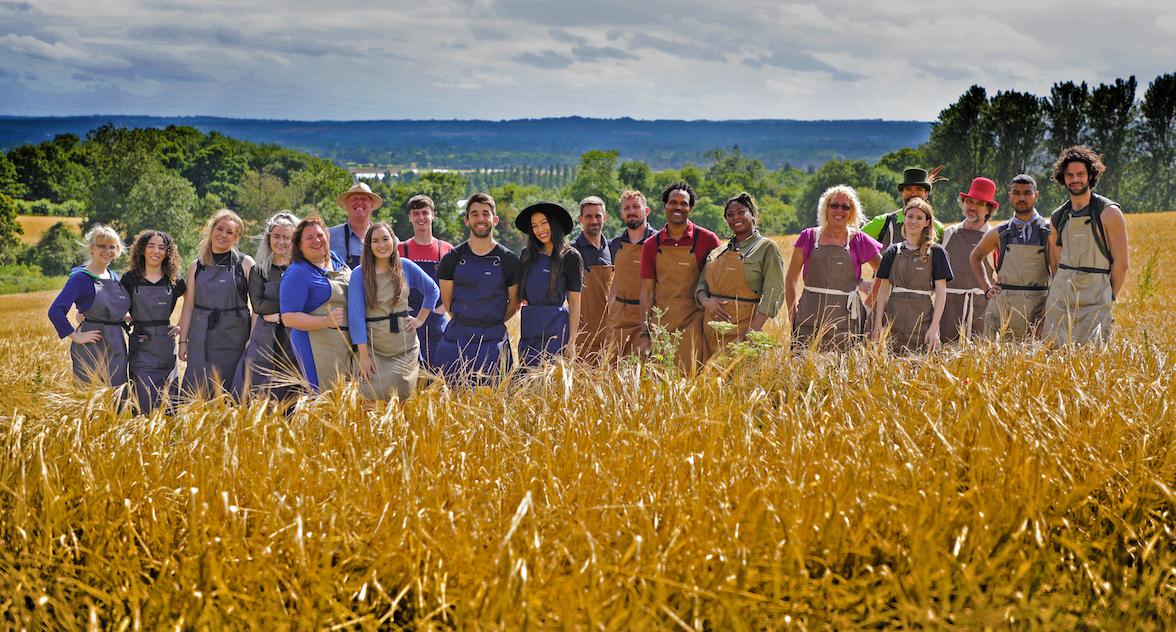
360	188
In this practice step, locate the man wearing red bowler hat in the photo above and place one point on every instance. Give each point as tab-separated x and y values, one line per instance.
963	314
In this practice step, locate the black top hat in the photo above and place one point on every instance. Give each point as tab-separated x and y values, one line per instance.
553	211
912	176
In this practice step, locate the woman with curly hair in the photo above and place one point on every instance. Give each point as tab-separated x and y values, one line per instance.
154	287
913	277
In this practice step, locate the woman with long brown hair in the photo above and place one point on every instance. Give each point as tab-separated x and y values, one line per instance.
913	276
382	327
154	286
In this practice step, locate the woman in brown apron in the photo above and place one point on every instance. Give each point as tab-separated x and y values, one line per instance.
314	306
744	284
830	256
966	303
382	327
913	276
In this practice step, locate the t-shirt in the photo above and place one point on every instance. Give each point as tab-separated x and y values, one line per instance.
940	266
862	248
707	241
573	279
508	260
419	253
591	255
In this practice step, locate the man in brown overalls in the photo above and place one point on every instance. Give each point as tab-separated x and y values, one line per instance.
625	324
671	263
598	275
963	313
1089	250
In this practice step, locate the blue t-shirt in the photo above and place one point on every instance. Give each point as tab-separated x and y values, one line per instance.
416	278
304	289
344	240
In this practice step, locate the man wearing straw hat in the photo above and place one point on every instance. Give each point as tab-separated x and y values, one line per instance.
347	238
963	313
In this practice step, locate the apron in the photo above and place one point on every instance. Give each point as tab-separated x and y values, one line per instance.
394	352
331	348
593	332
624	314
830	301
543	326
1024	285
105	361
268	365
912	302
966	305
475	344
152	351
218	330
429	335
725	280
677	278
1078	308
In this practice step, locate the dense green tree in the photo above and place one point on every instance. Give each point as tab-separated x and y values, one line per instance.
314	189
635	175
1111	112
1017	127
260	195
1065	117
899	160
596	175
162	199
829	174
10	230
56	252
1158	133
10	183
875	202
959	141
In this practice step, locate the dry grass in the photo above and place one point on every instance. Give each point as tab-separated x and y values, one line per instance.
987	487
36	225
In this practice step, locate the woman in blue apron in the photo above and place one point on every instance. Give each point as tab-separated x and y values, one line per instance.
98	345
214	324
383	327
268	365
154	286
551	273
313	300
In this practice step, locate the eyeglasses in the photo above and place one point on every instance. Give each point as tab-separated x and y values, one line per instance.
840	207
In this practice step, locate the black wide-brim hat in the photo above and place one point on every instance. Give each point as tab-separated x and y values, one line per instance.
553	211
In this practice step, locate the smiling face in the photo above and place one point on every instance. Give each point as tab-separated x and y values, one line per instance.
634	211
224	235
383	243
678	207
541	228
1077	178
739	219
421	218
914	221
155	252
314	244
838	212
481	219
592	220
281	241
359	209
104	251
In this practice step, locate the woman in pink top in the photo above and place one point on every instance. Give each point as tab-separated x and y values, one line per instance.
829	310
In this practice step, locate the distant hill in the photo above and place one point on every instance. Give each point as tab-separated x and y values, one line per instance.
473	144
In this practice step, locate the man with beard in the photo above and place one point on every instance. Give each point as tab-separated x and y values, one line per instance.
1016	301
1089	250
624	323
598	275
963	313
426	251
671	263
347	238
479	288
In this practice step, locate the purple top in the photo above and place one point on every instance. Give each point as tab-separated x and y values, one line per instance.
78	292
862	248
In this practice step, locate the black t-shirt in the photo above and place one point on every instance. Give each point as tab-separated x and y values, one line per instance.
131	280
509	262
940	266
573	274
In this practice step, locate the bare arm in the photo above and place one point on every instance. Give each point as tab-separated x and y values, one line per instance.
186	311
646	299
882	290
512	302
310	322
1116	229
987	245
573	323
446	286
792	282
1053	251
932	337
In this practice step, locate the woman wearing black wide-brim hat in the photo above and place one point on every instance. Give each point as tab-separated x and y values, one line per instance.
550	280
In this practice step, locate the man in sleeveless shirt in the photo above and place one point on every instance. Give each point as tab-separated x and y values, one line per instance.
1088	249
347	238
963	314
625	326
1016	300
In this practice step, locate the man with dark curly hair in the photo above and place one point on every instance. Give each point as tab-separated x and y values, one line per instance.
1088	253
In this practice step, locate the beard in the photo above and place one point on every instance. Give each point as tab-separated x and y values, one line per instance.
593	230
634	222
1082	191
481	233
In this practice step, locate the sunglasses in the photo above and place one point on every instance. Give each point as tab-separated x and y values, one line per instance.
840	207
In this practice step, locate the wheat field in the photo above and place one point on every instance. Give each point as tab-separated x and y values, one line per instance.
984	487
34	226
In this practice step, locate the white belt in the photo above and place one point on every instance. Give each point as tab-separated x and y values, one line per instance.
904	290
854	306
970	295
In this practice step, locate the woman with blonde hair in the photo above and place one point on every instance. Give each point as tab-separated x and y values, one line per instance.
154	286
214	324
913	277
98	345
268	364
830	257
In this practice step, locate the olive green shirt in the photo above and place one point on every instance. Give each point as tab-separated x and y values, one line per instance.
763	267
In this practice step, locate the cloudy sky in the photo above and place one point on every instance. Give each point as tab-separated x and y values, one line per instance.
495	59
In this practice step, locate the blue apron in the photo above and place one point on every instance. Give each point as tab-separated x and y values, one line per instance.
543	332
475	341
429	335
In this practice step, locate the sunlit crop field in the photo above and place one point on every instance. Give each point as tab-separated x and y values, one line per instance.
985	487
35	225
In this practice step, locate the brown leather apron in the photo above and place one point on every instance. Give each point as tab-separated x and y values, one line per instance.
726	280
830	301
593	332
673	293
1079	305
624	314
966	305
394	352
1017	309
333	356
912	300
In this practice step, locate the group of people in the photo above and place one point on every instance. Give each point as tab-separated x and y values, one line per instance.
318	305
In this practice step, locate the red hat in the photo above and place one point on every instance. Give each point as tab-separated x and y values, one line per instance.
984	190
